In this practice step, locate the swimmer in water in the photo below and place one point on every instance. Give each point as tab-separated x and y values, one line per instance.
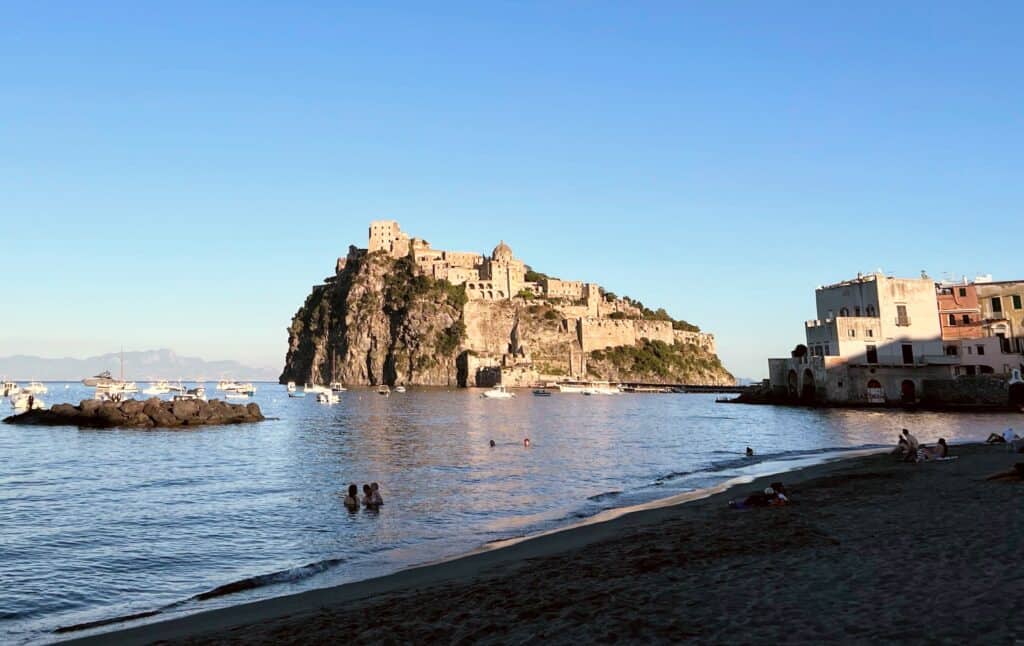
492	444
352	499
526	442
750	452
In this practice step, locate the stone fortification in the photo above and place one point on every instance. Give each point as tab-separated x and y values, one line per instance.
401	312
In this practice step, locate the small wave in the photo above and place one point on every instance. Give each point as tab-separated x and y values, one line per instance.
283	576
604	496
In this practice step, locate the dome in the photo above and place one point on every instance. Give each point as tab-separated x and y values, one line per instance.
502	252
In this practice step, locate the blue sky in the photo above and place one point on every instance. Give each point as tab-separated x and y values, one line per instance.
178	175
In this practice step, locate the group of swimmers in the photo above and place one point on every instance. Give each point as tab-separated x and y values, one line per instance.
909	449
371	497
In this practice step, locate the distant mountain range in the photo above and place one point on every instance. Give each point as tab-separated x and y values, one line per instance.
138	366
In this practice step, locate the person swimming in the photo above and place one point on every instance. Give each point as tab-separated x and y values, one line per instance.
750	452
375	491
367	496
352	499
493	444
526	442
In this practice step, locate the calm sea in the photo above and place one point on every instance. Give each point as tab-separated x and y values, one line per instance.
101	524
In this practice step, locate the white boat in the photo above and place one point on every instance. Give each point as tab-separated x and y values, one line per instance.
399	389
157	388
571	388
384	390
338	387
225	384
601	388
9	388
291	386
36	388
176	388
327	398
498	392
235	394
313	390
237	387
24	400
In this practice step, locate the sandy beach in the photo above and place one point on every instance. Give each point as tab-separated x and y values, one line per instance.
870	550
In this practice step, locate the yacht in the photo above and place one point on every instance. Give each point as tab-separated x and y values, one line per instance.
101	379
601	388
291	386
498	392
9	388
327	397
573	388
157	388
314	390
399	389
176	388
36	388
338	387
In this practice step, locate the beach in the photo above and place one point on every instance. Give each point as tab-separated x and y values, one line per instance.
870	550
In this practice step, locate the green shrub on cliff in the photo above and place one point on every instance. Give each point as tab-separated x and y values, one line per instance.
661	359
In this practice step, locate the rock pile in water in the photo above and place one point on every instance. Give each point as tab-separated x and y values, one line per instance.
152	413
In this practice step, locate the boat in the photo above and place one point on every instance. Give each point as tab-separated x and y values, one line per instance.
498	392
176	388
573	388
157	388
9	388
236	387
327	398
313	390
541	392
338	387
235	394
601	388
226	384
399	389
24	401
291	386
99	380
383	390
36	388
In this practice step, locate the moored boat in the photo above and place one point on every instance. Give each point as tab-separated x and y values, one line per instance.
327	398
498	392
25	401
157	388
338	387
399	389
101	379
541	392
36	388
9	388
383	390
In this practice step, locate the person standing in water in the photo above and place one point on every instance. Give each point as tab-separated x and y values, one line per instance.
352	499
375	495
750	452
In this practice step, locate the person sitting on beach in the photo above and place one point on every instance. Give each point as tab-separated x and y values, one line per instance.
912	446
1007	437
352	499
939	451
770	497
375	490
901	447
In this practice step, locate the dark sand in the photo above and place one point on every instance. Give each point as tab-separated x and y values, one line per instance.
872	550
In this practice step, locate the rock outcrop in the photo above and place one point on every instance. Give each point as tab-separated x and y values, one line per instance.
132	413
380	320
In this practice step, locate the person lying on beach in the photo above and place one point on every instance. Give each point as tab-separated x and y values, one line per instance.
770	497
352	499
375	489
1007	437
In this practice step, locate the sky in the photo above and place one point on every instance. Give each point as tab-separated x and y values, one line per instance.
177	175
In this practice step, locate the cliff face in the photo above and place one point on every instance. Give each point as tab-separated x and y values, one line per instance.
377	322
381	321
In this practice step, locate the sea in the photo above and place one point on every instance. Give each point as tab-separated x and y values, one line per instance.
99	526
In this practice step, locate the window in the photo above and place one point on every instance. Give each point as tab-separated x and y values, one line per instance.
856	311
997	304
951	350
908	353
871	310
872	353
1016	301
901	316
870	332
853	332
966	318
981	349
1004	343
952	319
970	350
963	292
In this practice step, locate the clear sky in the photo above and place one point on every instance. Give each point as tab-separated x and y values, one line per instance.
179	174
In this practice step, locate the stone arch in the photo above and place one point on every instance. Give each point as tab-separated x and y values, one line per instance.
807	390
908	392
792	385
873	383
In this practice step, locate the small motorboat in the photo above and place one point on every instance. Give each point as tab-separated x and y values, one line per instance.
327	398
291	386
338	387
399	389
9	388
24	401
541	392
36	388
383	390
102	379
157	388
314	390
498	392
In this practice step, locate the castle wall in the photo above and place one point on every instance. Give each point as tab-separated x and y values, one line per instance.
701	339
598	334
572	289
655	331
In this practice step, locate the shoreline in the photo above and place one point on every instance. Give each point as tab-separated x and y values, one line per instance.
507	558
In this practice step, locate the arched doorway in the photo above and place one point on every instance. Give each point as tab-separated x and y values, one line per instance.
808	390
875	393
791	383
908	392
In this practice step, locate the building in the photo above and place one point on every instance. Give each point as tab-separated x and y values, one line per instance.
1002	313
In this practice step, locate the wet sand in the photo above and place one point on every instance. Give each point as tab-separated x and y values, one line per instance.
871	550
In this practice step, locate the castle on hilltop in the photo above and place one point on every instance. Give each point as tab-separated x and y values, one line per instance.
501	347
497	277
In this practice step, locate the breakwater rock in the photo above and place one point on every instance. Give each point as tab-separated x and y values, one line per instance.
152	413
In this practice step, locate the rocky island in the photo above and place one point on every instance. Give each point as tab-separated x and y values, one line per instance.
131	413
402	313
